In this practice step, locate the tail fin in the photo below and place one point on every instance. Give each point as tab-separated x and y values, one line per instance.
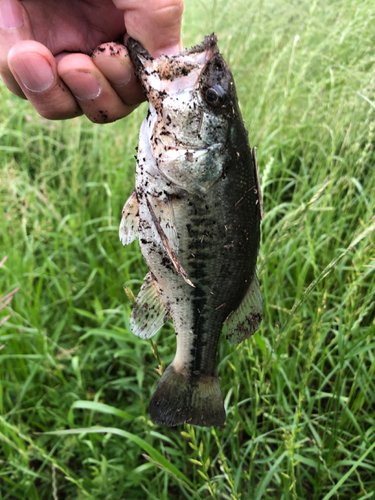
180	399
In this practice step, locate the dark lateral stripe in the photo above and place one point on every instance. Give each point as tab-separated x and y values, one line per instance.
171	253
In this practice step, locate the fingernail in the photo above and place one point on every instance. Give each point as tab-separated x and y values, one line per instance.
10	15
168	51
83	84
116	70
33	71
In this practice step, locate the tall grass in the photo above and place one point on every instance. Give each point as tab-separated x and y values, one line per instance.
300	395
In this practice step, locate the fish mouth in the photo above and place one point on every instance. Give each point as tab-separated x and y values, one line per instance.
171	74
141	58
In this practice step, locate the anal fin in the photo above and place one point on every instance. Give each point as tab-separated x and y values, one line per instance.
149	313
246	319
130	220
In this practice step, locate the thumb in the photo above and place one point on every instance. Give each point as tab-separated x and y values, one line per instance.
156	24
14	27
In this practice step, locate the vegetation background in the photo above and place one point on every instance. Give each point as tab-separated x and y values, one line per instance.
300	394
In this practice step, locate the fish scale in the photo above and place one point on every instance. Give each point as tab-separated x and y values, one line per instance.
196	208
212	275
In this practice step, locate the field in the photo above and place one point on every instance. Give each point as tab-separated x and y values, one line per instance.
300	394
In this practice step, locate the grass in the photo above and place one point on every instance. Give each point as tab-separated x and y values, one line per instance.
300	395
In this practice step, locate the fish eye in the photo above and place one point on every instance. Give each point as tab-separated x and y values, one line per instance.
211	96
214	94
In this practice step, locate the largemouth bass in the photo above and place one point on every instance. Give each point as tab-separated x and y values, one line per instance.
197	209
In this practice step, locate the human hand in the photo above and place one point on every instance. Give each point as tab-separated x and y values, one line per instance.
44	47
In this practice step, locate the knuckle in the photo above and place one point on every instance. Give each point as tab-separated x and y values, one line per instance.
102	117
48	114
170	9
57	113
177	5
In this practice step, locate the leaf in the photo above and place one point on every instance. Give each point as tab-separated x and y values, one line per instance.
350	471
159	459
102	408
105	333
267	478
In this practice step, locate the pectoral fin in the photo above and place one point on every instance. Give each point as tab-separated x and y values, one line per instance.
130	220
246	319
163	211
149	313
167	244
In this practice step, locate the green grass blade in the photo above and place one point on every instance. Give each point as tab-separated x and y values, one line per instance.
102	408
336	488
154	454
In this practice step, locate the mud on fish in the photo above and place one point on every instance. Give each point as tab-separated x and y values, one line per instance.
196	209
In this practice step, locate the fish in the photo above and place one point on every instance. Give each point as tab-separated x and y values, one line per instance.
196	209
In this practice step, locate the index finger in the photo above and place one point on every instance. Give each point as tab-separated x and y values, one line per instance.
156	24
